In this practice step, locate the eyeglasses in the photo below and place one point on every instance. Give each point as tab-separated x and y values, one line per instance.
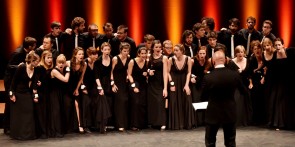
120	32
168	47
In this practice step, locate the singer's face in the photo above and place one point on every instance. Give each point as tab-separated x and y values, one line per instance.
80	55
202	54
278	45
157	48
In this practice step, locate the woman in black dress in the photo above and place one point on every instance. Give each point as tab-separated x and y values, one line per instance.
200	61
43	85
181	112
73	102
243	101
157	86
89	90
22	120
120	86
59	77
103	104
256	73
285	60
279	109
137	75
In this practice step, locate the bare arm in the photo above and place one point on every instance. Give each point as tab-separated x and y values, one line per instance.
114	63
189	71
58	75
188	77
165	75
82	76
169	68
129	71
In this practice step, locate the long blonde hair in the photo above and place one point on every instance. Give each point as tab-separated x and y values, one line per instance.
42	62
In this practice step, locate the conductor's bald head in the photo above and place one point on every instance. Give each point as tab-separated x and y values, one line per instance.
219	58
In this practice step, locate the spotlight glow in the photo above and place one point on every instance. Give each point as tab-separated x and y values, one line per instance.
16	15
211	9
174	20
285	16
136	21
251	8
97	13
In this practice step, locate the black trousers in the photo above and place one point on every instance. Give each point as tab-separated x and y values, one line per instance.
229	131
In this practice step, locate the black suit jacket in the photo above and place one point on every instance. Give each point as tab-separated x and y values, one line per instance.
218	89
69	44
18	56
115	43
187	50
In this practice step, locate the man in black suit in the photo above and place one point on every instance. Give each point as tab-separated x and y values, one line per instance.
122	36
218	89
190	49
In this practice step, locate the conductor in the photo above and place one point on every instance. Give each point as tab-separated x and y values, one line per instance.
218	89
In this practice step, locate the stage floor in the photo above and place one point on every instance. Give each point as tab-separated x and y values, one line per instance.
246	137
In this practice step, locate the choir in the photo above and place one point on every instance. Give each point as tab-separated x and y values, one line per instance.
89	82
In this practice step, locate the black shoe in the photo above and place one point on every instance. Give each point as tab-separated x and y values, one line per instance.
86	130
59	135
43	136
6	131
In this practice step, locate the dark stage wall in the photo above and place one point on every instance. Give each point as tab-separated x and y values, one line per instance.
165	19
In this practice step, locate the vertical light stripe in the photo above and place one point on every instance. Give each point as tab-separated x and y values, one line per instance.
285	19
16	15
97	13
174	19
136	20
55	12
211	9
251	8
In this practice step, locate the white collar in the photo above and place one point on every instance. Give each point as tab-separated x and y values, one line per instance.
219	66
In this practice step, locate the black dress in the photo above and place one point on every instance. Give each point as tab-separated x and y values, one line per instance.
99	112
43	75
22	120
196	89
181	112
56	119
121	98
243	101
278	106
103	73
257	93
87	99
71	119
155	100
138	100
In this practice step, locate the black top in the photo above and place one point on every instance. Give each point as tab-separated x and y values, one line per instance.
103	73
137	74
218	89
17	57
21	79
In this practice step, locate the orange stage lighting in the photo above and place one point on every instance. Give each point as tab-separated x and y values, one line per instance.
286	21
136	21
55	14
16	12
211	9
97	13
251	8
174	20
